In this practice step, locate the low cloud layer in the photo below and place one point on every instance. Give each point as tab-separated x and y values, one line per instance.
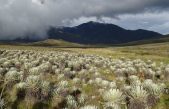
158	22
20	18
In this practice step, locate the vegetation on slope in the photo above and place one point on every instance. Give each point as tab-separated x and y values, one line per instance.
54	43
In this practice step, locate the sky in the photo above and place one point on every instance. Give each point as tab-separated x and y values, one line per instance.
21	18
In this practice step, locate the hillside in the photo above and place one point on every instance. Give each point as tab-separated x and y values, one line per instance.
100	33
165	38
62	43
54	43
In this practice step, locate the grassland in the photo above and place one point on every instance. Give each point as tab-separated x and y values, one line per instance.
158	52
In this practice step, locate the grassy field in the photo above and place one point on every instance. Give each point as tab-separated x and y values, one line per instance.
156	52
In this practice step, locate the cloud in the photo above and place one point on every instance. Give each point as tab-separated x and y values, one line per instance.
158	22
20	18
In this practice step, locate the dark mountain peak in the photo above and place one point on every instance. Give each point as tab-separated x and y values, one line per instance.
95	23
92	24
100	33
88	24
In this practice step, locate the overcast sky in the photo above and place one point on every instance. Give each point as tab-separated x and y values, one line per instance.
22	17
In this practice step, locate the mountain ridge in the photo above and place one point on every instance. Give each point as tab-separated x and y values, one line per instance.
100	33
92	33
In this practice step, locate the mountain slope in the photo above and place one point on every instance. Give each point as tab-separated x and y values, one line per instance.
54	43
100	33
62	43
163	39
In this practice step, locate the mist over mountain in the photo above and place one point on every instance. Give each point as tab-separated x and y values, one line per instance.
32	18
91	33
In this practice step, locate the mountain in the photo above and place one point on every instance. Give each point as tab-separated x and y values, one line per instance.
100	33
61	43
92	33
